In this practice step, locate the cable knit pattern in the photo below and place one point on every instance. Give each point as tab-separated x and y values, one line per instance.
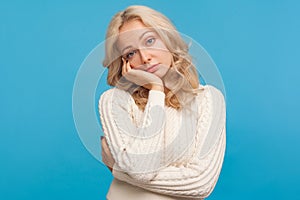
181	160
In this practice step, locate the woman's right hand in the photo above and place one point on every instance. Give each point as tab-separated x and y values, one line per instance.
107	157
142	78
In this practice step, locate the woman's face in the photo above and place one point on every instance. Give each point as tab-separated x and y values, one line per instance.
143	48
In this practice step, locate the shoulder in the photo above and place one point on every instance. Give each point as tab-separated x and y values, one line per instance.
115	97
212	90
113	93
211	93
211	101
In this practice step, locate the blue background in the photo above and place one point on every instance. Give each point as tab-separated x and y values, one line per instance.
255	44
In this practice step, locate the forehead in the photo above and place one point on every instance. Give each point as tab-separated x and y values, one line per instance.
132	25
131	32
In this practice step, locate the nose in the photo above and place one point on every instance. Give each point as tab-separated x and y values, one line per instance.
145	55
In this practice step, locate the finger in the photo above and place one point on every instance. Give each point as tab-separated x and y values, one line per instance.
124	70
102	141
128	67
104	144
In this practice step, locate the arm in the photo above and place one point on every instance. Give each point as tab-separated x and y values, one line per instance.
197	177
131	144
195	180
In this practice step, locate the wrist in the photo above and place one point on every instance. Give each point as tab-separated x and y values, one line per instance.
158	87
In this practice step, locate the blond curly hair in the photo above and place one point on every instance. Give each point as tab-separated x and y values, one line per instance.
186	73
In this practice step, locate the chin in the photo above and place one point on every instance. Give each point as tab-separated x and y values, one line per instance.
159	75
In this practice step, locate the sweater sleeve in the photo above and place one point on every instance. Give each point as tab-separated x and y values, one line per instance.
196	178
135	146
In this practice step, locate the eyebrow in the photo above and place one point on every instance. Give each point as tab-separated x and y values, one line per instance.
128	47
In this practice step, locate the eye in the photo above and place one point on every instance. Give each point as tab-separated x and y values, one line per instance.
130	54
150	41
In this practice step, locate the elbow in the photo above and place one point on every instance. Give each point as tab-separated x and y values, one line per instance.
209	179
208	188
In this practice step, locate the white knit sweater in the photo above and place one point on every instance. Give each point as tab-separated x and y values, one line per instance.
163	150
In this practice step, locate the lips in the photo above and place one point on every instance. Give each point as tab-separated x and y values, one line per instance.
152	68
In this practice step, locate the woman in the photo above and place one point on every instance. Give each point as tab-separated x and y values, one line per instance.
164	131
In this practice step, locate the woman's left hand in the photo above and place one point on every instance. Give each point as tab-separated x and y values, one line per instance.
107	157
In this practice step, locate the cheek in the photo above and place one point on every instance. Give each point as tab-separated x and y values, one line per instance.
167	58
164	54
133	63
